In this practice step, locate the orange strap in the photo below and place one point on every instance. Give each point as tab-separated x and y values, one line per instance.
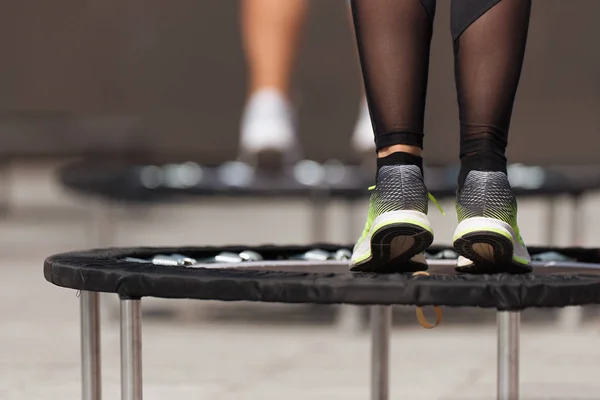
421	315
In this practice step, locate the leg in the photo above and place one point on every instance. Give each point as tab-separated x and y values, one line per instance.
102	232
320	199
102	222
508	355
489	46
5	196
131	350
393	40
381	324
349	319
271	31
90	346
571	318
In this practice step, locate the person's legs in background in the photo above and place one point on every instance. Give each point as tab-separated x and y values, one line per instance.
489	45
271	31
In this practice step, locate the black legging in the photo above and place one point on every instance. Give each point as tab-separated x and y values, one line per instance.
489	38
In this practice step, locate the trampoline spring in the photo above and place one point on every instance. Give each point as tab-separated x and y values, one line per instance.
228	257
250	255
136	260
313	255
342	254
168	261
184	260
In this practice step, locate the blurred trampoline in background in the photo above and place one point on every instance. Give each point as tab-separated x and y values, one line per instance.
110	183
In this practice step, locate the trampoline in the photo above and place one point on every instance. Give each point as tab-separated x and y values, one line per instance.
573	279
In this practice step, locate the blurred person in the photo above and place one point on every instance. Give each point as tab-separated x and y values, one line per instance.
271	31
489	39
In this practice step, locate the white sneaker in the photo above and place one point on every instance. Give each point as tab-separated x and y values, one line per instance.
363	138
268	127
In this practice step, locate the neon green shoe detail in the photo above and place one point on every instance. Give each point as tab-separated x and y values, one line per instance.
487	231
397	227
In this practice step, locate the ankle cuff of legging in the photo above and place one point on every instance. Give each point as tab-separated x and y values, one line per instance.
393	138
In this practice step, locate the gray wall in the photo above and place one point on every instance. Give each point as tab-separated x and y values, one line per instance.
168	78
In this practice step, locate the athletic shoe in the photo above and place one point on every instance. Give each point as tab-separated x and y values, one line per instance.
487	236
397	229
268	131
363	138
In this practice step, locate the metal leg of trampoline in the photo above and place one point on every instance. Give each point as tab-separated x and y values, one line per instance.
571	318
350	317
91	386
508	355
131	349
381	324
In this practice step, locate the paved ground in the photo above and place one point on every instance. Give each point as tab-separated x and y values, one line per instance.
220	355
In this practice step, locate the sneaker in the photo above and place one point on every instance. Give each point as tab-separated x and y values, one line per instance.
397	231
363	139
487	236
268	131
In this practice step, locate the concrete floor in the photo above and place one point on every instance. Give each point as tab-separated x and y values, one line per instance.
247	351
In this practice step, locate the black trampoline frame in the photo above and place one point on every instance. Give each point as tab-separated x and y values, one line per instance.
508	332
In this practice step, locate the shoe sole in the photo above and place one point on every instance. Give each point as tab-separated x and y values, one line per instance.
392	248
490	252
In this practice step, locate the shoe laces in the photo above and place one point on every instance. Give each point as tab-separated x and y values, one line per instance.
434	201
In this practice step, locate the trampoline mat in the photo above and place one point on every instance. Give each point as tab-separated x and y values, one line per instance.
278	279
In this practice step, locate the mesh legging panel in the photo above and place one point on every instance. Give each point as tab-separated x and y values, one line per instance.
394	37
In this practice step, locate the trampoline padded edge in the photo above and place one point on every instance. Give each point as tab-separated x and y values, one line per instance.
102	271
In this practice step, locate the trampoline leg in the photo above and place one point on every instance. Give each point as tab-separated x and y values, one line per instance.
571	318
131	349
508	355
350	317
90	346
381	323
102	224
